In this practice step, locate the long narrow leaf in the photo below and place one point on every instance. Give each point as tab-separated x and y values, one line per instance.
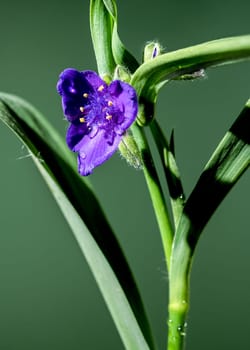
101	25
148	77
121	55
172	175
44	142
229	161
112	292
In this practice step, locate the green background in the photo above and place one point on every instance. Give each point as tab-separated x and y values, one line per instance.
48	297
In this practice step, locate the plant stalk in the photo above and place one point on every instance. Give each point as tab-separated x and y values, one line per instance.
156	193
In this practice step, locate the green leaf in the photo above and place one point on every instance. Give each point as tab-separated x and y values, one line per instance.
101	26
229	161
58	166
152	75
227	164
108	284
109	50
172	175
121	55
155	190
111	7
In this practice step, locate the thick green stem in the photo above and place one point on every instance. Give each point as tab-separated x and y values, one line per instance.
178	257
179	284
177	323
178	306
155	191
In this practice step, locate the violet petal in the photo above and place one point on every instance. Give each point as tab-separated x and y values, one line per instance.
126	101
95	151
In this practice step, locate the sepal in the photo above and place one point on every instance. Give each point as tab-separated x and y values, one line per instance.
122	73
130	151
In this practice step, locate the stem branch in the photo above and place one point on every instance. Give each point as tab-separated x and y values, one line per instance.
155	191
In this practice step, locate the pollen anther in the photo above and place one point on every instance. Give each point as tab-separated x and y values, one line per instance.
110	103
101	88
81	109
82	120
108	116
85	95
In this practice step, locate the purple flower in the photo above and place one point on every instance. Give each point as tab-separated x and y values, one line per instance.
99	114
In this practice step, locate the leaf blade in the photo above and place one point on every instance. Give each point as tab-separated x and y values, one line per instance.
40	138
121	55
112	292
227	164
149	77
225	167
101	27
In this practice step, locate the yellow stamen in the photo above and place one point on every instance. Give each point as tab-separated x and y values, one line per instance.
82	120
101	88
108	116
85	95
81	109
110	103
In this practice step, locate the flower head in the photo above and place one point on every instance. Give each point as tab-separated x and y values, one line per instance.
99	114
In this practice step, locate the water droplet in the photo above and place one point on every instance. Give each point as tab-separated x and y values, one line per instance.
170	323
181	329
82	155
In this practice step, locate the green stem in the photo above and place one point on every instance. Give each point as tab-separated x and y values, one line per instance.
177	324
155	191
171	171
184	243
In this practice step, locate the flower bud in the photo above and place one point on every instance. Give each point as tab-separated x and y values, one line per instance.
151	50
121	73
130	151
146	107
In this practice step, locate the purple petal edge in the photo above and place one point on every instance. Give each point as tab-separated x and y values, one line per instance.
95	151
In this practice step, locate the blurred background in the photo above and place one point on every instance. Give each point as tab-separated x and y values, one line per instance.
48	297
